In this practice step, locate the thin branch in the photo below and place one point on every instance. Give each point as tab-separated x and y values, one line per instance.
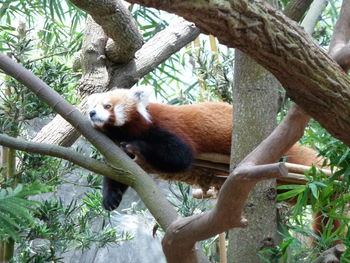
48	56
69	155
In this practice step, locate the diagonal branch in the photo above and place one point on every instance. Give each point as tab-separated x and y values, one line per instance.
313	16
69	155
155	51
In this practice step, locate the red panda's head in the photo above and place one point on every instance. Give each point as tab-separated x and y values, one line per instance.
119	107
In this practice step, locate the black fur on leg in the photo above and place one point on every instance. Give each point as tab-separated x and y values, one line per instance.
163	150
112	193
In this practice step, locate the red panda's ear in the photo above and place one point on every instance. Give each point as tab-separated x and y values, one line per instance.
141	93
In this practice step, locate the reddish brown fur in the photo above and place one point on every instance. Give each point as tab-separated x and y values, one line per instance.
207	127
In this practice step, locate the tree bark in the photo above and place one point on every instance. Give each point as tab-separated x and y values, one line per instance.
295	10
311	78
255	100
159	48
118	24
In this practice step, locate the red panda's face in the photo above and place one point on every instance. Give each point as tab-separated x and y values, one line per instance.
118	107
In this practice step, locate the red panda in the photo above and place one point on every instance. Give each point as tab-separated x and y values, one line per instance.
166	136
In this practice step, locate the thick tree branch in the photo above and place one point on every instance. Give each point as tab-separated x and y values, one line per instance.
154	52
339	47
310	77
69	155
95	78
118	24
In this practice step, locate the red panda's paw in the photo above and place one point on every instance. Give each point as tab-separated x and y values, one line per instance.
130	150
112	200
112	193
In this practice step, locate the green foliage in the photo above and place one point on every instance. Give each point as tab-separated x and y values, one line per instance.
19	104
47	169
324	28
283	3
59	26
214	72
327	196
15	208
62	227
181	198
148	20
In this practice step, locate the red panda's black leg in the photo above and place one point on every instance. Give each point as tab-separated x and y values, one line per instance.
163	150
112	193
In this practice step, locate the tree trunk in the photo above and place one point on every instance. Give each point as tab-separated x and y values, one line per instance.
255	100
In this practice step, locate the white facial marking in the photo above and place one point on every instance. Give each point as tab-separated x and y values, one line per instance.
119	115
97	114
101	116
142	95
141	108
92	101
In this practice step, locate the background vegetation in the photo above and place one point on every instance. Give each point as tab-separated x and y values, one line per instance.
45	36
